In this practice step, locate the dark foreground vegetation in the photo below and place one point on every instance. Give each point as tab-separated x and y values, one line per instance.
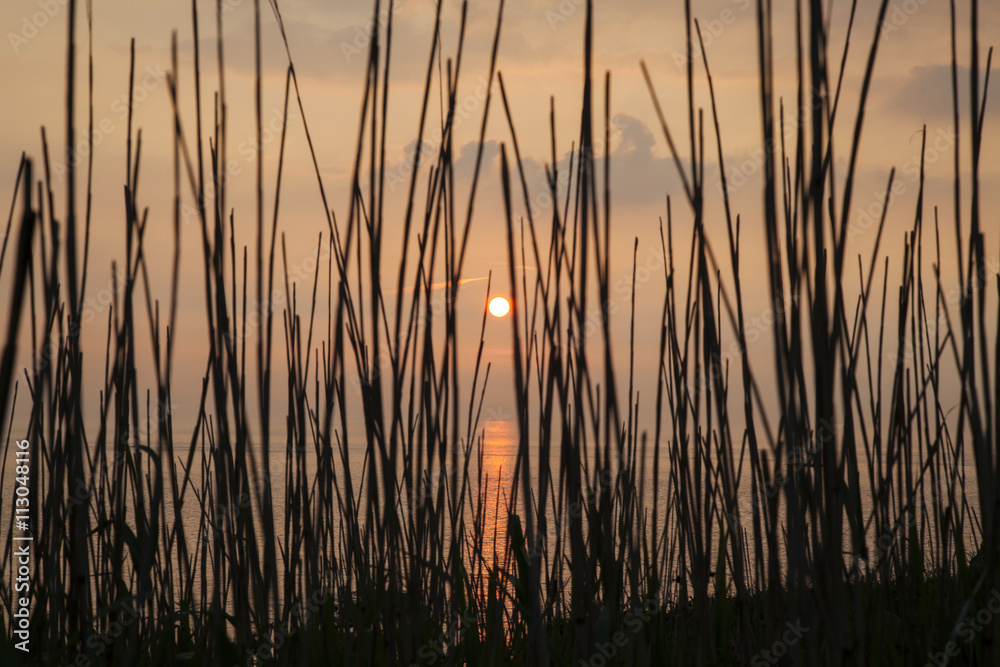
400	565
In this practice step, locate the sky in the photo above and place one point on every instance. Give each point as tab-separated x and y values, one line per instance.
540	58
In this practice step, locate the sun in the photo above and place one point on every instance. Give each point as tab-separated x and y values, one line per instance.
499	306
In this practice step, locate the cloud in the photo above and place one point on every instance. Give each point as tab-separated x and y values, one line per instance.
926	94
638	175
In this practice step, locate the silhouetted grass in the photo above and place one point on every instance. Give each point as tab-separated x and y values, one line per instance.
402	564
